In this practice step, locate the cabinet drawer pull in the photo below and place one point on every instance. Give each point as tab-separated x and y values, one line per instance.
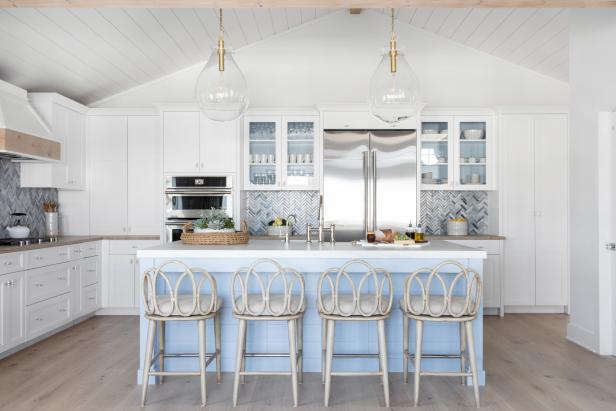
38	258
61	277
91	271
39	285
7	263
39	319
62	310
91	298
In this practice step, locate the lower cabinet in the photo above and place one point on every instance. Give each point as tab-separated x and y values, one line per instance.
40	298
12	302
492	273
47	315
123	279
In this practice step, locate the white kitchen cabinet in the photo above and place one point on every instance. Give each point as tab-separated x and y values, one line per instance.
121	277
50	288
12	302
492	271
458	151
193	143
67	122
437	153
107	137
144	181
126	181
281	152
534	210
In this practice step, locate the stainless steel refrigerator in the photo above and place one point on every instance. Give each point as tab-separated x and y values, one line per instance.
369	181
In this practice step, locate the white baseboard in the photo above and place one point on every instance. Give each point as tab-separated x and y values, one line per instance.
490	311
118	311
582	337
535	309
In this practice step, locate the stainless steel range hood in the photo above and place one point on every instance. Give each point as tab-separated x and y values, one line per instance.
23	136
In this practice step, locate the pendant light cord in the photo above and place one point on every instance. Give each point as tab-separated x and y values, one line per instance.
393	32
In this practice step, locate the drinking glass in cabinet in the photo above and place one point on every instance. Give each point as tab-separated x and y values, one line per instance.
262	131
300	130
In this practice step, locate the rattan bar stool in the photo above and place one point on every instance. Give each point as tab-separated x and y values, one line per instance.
350	303
199	304
458	302
282	299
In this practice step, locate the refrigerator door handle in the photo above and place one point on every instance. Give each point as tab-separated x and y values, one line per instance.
366	166
373	164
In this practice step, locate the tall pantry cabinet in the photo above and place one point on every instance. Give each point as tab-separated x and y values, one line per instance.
534	195
125	163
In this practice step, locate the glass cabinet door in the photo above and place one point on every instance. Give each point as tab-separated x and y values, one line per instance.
436	153
262	155
299	149
472	153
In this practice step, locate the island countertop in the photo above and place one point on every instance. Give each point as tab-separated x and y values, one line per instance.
436	249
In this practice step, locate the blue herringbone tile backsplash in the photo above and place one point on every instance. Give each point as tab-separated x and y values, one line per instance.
13	199
260	207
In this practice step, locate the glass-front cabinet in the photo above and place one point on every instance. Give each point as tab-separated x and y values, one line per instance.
457	153
436	153
281	153
474	157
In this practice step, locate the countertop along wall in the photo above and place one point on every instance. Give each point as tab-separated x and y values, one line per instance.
14	199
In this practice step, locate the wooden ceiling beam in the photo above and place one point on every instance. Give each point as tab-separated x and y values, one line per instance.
333	4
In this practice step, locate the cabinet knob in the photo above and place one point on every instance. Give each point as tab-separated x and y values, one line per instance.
39	319
39	285
8	263
62	310
196	165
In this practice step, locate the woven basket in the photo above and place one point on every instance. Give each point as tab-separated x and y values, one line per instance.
236	237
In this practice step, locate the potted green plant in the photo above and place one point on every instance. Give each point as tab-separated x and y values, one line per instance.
214	221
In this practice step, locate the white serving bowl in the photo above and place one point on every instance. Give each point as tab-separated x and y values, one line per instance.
473	134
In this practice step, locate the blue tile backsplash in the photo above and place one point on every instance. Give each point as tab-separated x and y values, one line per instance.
260	207
13	199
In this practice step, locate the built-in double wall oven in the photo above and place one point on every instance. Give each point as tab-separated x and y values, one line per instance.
187	197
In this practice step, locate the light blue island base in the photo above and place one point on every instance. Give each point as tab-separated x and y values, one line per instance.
312	260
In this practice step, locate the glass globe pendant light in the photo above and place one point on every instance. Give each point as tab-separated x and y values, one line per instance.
221	89
394	93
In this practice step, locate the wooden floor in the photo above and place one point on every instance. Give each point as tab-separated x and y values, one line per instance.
529	364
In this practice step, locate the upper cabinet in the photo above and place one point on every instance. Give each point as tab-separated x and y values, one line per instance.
457	152
67	121
281	152
126	182
196	144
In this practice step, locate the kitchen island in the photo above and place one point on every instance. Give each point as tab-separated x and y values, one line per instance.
311	260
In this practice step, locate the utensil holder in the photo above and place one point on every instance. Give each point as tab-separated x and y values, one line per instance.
51	224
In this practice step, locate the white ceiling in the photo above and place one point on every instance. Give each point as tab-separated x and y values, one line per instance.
90	54
535	38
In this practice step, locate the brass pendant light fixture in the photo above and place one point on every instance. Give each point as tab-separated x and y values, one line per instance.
394	93
221	91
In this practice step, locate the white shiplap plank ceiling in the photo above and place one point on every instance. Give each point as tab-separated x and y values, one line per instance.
90	54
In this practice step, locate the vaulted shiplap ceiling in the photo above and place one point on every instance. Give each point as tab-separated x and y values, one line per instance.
535	38
90	54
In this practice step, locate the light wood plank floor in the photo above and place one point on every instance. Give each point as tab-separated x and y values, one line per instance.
530	366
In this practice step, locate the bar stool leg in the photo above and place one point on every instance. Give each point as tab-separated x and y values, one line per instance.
470	340
161	349
462	352
323	349
331	327
418	343
300	348
217	347
202	360
241	336
147	360
405	348
383	360
293	357
244	354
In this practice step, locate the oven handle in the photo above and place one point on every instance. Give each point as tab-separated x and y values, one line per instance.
209	191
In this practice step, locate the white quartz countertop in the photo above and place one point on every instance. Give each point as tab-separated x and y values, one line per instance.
436	249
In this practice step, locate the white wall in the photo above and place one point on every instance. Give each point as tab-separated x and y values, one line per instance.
593	89
332	59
